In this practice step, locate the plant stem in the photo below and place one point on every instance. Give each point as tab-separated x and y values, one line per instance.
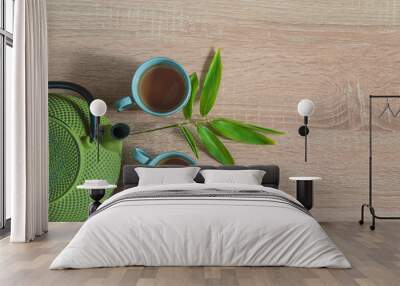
168	126
159	128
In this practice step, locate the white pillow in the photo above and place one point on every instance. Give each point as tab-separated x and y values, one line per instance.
248	177
164	176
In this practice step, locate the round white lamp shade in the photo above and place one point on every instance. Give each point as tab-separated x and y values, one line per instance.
305	107
98	107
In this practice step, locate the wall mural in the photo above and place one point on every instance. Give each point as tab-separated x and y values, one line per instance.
161	87
274	53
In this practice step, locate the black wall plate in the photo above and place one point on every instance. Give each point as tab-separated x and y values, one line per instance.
303	130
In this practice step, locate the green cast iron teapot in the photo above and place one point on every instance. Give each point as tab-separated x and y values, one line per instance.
73	152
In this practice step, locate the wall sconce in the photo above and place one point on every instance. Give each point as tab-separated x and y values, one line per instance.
305	108
98	108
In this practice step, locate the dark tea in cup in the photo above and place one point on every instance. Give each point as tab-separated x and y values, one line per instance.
162	88
174	161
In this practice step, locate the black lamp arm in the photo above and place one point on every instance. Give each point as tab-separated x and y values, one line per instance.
303	131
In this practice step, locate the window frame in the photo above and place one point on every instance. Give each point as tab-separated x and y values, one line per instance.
6	39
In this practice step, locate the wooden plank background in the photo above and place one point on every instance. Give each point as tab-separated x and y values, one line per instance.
274	53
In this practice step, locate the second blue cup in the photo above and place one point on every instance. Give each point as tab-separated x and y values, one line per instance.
165	158
160	87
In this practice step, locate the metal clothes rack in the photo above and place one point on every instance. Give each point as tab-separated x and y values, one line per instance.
370	205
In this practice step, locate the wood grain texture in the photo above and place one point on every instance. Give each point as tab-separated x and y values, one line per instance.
375	257
274	54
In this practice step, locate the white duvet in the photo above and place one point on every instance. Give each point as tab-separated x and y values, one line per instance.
200	231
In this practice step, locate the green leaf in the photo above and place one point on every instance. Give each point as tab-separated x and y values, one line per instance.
190	140
255	127
211	84
194	82
265	130
214	146
239	132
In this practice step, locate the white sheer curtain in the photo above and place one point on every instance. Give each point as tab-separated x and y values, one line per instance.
26	124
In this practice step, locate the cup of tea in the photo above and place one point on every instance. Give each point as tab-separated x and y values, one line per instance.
162	159
160	87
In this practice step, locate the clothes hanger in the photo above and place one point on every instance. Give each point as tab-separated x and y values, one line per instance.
388	107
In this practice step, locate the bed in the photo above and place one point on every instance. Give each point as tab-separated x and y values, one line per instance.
199	224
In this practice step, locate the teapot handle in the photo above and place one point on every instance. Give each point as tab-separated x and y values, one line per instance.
81	91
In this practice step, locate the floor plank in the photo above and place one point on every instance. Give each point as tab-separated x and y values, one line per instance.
375	257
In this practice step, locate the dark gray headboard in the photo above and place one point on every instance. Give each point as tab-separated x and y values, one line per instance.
271	178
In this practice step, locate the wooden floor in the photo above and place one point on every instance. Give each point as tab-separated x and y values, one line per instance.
375	257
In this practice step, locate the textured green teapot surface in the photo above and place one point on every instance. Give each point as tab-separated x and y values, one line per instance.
73	157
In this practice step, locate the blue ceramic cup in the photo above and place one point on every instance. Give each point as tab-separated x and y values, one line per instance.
166	158
136	99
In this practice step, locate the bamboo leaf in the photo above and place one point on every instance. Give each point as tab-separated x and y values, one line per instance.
214	146
254	127
240	133
188	109
265	130
211	84
190	140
